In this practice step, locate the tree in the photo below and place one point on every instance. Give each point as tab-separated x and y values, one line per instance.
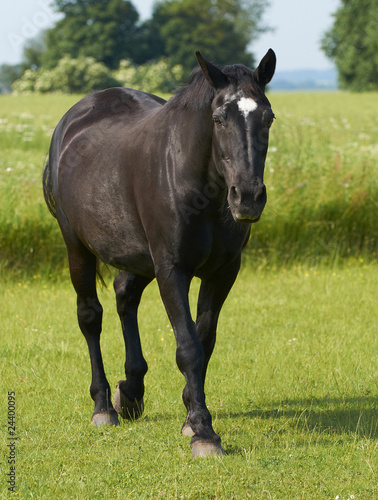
352	43
222	29
150	43
103	29
81	75
109	31
33	52
8	74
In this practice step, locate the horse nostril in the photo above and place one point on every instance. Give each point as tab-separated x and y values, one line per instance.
260	194
235	195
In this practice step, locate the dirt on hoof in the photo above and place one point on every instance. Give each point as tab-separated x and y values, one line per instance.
186	430
105	419
206	449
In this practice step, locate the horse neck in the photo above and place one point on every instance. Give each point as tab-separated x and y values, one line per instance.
191	132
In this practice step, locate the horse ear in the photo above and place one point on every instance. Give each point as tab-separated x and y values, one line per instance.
265	70
213	75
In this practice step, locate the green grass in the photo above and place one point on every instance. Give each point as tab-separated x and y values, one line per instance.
29	236
321	176
292	388
322	179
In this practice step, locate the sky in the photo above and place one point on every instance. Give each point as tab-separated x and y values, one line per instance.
298	28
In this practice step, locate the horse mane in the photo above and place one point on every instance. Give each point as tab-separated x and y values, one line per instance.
197	94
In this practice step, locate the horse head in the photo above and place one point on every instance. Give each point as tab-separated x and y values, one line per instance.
242	117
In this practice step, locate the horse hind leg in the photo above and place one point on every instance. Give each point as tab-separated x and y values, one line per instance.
89	312
128	398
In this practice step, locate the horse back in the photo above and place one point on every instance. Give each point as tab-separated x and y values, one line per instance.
117	105
89	125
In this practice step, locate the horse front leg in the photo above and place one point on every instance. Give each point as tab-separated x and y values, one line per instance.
190	358
213	292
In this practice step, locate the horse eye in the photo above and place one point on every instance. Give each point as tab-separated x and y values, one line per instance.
217	120
270	121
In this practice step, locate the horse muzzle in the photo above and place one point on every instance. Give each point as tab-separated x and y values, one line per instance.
247	205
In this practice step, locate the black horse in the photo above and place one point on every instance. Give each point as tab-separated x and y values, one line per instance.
164	190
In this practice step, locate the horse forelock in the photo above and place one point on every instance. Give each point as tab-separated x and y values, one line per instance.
198	94
244	79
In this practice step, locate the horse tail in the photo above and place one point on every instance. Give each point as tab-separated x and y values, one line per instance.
47	189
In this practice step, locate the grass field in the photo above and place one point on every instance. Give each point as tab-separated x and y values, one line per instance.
292	385
292	388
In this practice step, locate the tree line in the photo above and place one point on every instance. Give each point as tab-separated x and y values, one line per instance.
107	39
110	31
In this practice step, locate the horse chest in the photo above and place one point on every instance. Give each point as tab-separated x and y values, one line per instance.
207	247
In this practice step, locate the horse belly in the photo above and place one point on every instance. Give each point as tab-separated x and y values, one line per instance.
134	262
119	242
123	249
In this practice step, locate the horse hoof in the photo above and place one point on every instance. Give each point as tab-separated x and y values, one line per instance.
105	419
130	410
206	449
186	430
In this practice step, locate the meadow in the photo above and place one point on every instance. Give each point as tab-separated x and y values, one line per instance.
292	385
321	177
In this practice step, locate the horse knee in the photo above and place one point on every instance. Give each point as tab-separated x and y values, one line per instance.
126	305
129	288
190	357
127	299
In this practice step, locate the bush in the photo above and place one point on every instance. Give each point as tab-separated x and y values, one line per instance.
84	74
81	75
26	83
150	77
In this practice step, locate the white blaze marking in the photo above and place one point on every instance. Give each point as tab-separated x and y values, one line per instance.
246	105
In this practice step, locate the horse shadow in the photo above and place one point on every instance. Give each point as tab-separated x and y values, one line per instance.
326	416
